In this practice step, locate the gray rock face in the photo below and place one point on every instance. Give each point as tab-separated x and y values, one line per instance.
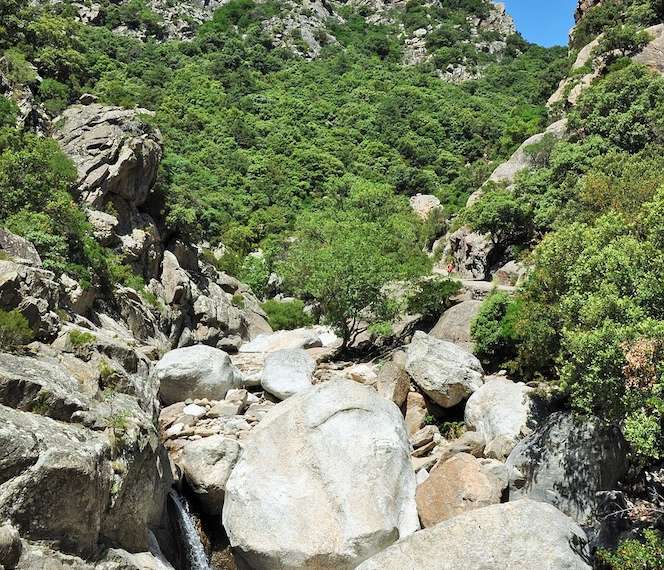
454	324
207	463
522	535
18	248
566	463
57	482
324	482
502	412
446	373
287	372
34	292
195	372
472	254
393	382
10	547
113	150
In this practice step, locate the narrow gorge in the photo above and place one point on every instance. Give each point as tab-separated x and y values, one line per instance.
330	285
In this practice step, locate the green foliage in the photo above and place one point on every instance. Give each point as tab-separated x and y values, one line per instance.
626	109
345	254
646	553
15	330
432	297
500	213
286	315
493	330
621	41
79	338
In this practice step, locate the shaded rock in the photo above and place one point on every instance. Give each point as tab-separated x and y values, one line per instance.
393	383
287	372
455	486
502	412
454	324
523	535
42	386
10	547
207	463
34	292
567	462
195	372
511	274
306	495
472	255
446	373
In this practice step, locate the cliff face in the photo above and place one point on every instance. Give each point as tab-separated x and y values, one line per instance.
583	6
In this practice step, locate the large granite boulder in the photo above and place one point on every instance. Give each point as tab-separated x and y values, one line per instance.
195	372
282	340
445	372
567	462
522	535
287	372
462	483
324	482
207	463
502	412
454	324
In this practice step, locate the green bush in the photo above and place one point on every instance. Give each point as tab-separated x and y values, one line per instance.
493	331
646	553
15	330
286	315
432	297
81	338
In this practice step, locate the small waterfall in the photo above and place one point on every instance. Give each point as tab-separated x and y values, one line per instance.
192	544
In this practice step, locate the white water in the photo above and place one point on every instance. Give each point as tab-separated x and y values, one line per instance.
192	542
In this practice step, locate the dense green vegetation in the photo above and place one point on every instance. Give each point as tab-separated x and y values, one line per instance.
592	312
633	554
15	330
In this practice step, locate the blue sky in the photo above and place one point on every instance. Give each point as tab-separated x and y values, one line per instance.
544	22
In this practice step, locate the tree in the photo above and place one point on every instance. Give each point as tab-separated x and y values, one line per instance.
343	257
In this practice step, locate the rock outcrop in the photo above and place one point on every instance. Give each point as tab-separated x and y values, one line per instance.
324	482
567	462
446	373
485	539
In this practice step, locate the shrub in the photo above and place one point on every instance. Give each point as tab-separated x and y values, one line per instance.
493	330
286	315
81	338
433	297
15	330
634	554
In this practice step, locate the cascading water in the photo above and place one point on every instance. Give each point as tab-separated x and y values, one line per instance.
192	544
